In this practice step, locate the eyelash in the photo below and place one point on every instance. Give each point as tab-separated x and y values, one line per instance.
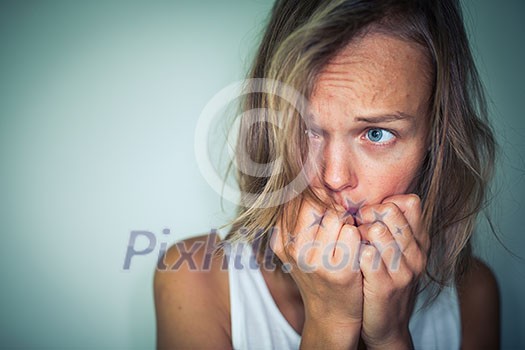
312	134
384	143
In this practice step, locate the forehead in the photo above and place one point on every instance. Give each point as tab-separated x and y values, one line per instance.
376	73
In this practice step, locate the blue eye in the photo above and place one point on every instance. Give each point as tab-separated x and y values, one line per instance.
379	135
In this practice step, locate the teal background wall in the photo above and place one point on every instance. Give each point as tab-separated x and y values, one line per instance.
98	105
499	50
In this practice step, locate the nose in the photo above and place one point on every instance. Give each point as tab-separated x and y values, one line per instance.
338	167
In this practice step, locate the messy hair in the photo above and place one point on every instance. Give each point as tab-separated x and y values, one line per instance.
302	36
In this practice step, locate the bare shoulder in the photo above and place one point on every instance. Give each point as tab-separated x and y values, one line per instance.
480	311
192	296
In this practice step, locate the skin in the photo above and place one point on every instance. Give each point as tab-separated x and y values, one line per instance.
363	160
365	163
372	77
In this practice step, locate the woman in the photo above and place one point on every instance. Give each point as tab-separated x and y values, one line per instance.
374	170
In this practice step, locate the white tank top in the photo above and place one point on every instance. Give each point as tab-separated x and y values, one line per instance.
257	323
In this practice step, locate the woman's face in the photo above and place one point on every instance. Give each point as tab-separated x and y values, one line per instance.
368	121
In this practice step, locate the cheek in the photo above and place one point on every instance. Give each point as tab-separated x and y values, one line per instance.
314	165
314	178
388	177
389	183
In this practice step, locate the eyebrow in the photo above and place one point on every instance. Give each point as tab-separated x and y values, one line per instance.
385	118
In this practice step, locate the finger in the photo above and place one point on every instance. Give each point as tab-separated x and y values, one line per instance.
329	231
410	206
394	219
347	218
328	236
309	220
316	252
381	238
300	245
401	273
346	251
372	266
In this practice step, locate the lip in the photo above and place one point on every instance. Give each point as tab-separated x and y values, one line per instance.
352	210
347	205
352	207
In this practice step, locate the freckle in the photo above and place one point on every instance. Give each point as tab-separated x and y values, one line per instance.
180	307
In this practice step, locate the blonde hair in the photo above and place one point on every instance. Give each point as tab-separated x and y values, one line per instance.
300	39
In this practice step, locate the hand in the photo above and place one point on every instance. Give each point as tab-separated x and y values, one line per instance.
391	266
322	253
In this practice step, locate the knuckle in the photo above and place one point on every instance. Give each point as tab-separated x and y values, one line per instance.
395	212
292	251
277	248
420	263
368	253
390	208
388	211
349	233
407	277
275	240
377	230
363	214
389	205
413	200
388	291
